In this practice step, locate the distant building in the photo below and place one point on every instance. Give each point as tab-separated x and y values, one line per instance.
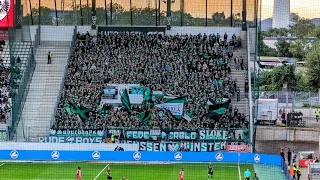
281	14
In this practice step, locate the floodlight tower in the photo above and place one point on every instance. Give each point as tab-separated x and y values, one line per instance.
281	14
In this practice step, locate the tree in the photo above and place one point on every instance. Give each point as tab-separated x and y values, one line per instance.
283	48
299	48
275	79
46	19
302	27
315	32
219	19
313	65
264	49
274	32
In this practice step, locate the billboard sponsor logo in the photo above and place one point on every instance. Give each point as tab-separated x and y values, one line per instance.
257	158
137	155
55	154
178	156
96	155
219	157
14	154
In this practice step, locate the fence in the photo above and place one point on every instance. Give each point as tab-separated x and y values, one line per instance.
138	12
305	102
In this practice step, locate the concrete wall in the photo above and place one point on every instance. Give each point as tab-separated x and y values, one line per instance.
208	30
49	33
56	33
29	32
265	133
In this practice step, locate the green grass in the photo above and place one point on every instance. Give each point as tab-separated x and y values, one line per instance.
67	171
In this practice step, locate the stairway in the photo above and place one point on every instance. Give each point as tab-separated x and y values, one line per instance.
240	75
45	87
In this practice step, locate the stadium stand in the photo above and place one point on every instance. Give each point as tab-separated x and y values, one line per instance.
20	54
155	61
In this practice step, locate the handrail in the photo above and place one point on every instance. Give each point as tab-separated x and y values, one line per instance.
250	91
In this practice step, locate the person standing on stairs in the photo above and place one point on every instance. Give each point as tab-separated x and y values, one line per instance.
49	57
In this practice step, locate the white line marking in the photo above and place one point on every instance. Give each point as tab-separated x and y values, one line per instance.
2	164
100	172
239	166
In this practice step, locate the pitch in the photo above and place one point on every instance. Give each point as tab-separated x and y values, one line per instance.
97	171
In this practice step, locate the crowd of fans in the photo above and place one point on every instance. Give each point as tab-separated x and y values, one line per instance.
5	93
193	66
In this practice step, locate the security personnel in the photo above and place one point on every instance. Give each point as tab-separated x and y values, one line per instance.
112	138
298	174
49	57
317	114
292	172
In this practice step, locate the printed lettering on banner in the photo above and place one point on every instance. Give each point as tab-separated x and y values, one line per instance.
238	148
82	133
180	146
62	139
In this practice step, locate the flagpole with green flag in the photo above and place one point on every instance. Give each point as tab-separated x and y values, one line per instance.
126	101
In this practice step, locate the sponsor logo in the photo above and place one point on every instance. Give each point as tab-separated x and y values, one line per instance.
55	154
96	155
178	156
219	156
256	158
14	154
137	155
4	6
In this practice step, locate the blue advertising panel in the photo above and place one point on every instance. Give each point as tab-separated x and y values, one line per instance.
46	155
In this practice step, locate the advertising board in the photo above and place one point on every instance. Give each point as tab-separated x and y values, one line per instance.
96	155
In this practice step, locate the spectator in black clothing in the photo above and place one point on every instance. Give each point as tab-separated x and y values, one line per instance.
289	156
282	154
238	94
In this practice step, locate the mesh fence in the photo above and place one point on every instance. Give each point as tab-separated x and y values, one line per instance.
137	106
136	12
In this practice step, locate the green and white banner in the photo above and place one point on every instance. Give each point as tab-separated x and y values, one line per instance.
174	106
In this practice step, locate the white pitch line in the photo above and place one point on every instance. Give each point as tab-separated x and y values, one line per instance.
100	172
239	166
2	164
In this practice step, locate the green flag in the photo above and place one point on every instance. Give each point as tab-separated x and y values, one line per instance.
145	117
81	111
147	94
68	109
125	100
216	113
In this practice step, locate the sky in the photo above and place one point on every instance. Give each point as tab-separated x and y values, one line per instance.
305	8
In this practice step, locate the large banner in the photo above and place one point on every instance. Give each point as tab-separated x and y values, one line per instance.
205	134
110	29
111	93
6	13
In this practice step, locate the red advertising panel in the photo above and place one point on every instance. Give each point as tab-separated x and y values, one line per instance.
237	148
6	13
